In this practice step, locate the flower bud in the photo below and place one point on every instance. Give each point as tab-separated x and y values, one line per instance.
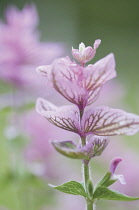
85	54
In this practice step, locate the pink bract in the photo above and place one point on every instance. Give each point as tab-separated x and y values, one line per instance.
66	117
105	121
101	121
79	85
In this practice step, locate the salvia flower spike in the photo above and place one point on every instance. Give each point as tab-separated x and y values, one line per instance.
81	85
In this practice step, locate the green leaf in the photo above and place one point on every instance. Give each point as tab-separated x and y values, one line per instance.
106	180
71	187
107	194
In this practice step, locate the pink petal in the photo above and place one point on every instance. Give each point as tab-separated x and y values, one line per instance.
114	164
66	117
105	121
88	54
120	177
77	55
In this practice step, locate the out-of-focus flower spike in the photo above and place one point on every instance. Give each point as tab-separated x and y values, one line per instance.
21	50
113	166
28	17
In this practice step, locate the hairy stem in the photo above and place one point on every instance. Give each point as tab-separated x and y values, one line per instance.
86	178
86	171
89	205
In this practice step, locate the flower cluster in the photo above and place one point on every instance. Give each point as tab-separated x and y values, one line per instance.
80	84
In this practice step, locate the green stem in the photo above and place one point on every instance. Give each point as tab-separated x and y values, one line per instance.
86	172
86	177
89	205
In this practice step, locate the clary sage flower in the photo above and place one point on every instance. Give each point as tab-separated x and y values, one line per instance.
80	84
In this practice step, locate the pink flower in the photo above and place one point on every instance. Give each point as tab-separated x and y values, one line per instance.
129	167
101	121
27	17
113	166
80	85
20	48
85	54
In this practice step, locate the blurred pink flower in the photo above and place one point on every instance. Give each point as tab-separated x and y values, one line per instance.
28	17
112	94
39	153
20	48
